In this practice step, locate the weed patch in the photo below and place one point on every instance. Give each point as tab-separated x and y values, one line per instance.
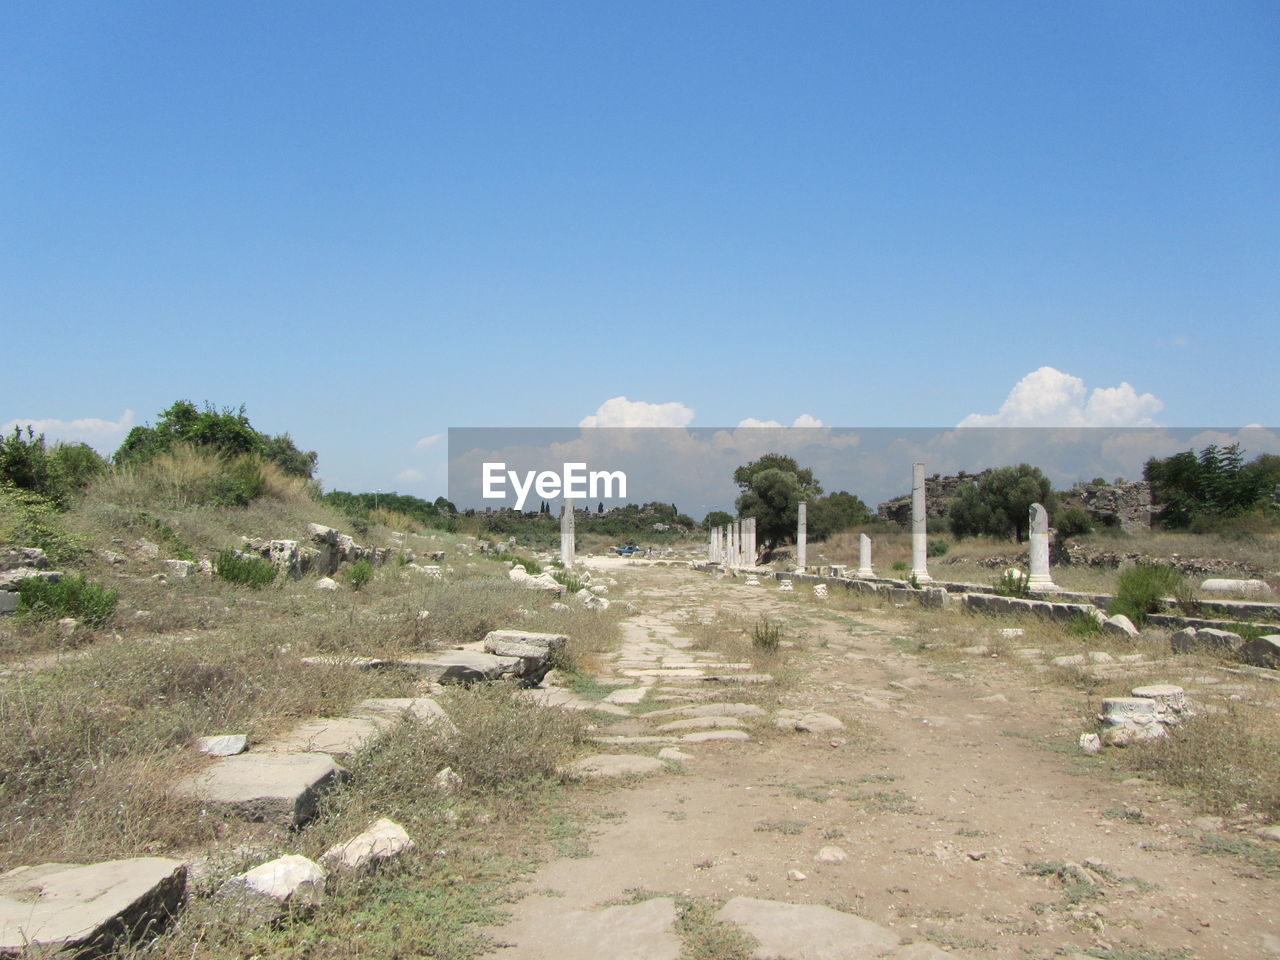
72	596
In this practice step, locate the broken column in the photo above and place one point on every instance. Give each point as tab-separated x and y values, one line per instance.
802	535
566	534
919	526
864	556
1040	578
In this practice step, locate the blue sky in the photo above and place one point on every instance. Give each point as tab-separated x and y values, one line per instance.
369	223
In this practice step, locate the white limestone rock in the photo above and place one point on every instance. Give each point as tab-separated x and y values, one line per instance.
383	840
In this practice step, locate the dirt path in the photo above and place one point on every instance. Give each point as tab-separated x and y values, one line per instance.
941	792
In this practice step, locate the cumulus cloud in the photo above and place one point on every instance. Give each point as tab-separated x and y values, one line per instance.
1050	398
430	441
103	435
621	412
804	421
409	476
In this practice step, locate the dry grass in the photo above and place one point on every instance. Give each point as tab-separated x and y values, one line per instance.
1229	761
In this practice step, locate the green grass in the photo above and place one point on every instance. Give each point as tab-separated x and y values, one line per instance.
234	567
72	596
1264	859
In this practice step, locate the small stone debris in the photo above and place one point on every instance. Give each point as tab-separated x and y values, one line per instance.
326	583
806	721
383	840
795	876
227	745
831	854
1091	744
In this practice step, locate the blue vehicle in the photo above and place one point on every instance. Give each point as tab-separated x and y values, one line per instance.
628	550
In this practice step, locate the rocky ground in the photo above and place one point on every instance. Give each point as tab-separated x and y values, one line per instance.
949	811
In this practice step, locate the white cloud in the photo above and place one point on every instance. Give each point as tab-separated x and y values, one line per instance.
621	412
1050	398
804	422
430	441
409	476
103	435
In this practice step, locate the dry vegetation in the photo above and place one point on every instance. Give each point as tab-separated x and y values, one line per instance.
95	723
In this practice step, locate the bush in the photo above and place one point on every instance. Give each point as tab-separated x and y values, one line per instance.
1141	587
30	519
572	583
937	548
899	566
236	567
360	573
187	476
72	596
1013	583
532	567
1083	626
1072	522
766	635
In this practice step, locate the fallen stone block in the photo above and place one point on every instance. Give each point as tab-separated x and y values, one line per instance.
89	909
334	735
463	666
701	723
357	663
612	765
792	931
1120	626
707	736
384	840
1262	651
276	788
1247	588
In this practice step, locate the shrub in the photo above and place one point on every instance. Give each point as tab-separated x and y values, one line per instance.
1073	522
30	519
72	596
899	566
360	573
236	567
1013	583
532	567
766	635
1141	587
1083	626
572	583
188	476
937	548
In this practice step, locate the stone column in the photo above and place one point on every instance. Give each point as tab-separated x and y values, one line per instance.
751	541
737	543
1040	579
731	554
715	544
802	536
864	556
566	534
919	520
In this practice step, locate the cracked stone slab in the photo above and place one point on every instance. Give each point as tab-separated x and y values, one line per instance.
613	765
276	788
792	931
88	908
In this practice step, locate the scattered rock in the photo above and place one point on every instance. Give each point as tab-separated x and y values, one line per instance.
701	723
671	753
1091	744
1269	833
1208	824
262	894
831	854
446	781
227	745
326	583
383	840
795	876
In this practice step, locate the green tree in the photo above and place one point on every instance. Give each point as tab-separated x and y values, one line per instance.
716	518
1210	486
998	505
772	488
836	512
